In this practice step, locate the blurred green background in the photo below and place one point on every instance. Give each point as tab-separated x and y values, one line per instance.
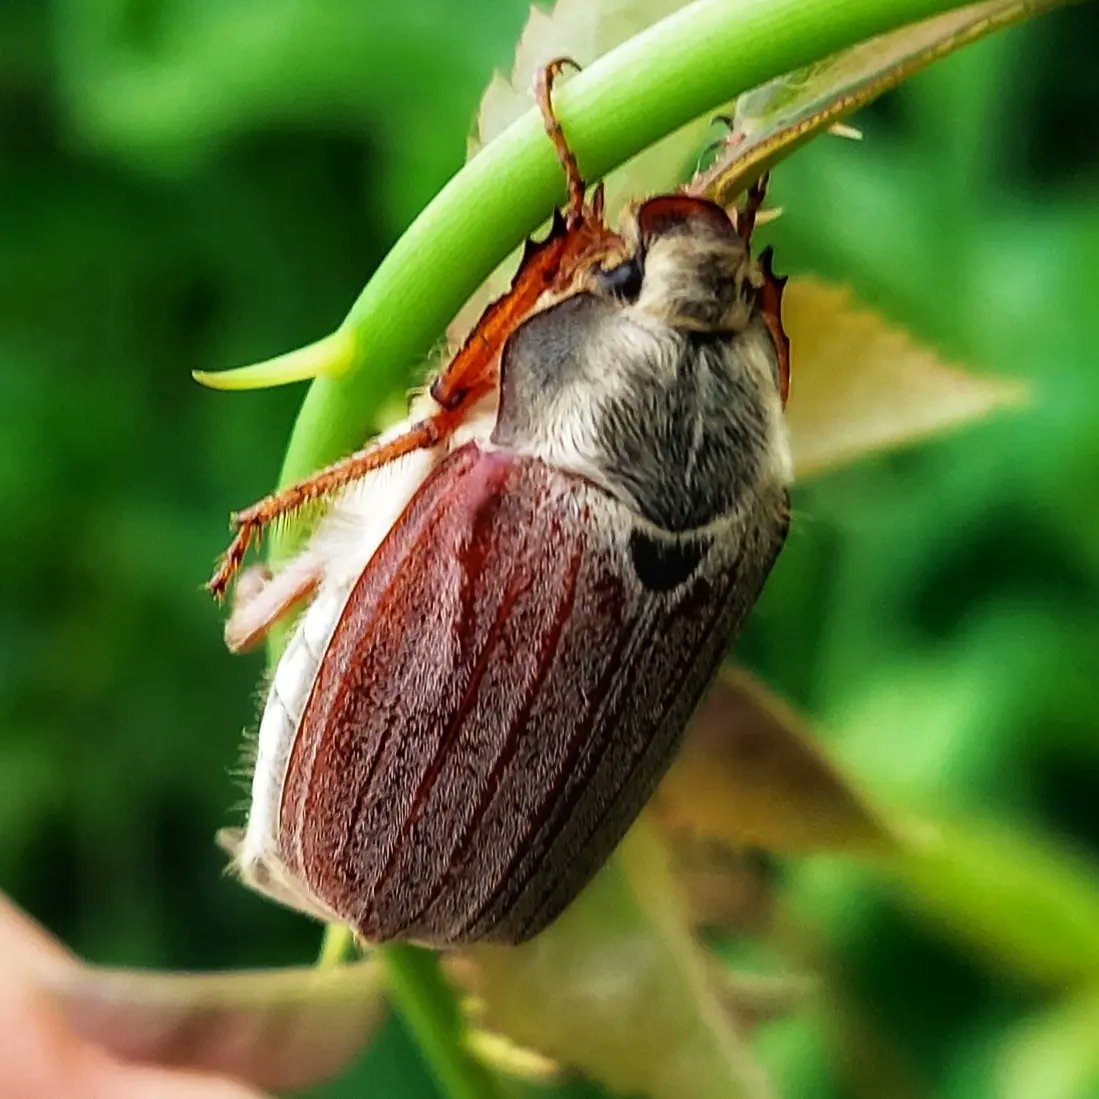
192	184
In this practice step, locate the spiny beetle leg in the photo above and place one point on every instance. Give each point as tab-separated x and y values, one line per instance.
250	522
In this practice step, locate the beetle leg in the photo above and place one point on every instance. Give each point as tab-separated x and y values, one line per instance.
753	203
474	370
249	523
543	89
260	599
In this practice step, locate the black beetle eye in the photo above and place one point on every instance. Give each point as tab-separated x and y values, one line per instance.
622	282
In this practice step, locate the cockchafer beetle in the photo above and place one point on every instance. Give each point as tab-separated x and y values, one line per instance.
519	595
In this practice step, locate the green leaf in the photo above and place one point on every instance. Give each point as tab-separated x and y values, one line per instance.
1054	1055
619	988
860	385
1026	904
773	120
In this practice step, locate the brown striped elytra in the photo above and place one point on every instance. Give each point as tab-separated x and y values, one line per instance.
518	596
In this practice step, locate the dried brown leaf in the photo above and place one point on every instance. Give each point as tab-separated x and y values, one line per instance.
723	887
749	776
860	385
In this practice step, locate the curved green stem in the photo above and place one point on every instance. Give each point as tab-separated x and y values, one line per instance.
427	1005
687	64
337	946
420	993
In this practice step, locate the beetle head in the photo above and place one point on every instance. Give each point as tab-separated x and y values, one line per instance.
684	265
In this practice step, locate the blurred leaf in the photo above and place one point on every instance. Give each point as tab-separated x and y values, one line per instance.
1028	905
748	775
276	1028
1055	1055
506	1057
772	120
860	385
172	80
724	888
619	988
583	31
578	29
1025	903
753	999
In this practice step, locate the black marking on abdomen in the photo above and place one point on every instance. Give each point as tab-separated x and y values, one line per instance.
662	564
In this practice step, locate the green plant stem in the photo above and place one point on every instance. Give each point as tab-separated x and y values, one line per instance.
337	946
685	65
420	993
426	1003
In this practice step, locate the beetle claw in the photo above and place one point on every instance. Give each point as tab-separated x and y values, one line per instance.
231	559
